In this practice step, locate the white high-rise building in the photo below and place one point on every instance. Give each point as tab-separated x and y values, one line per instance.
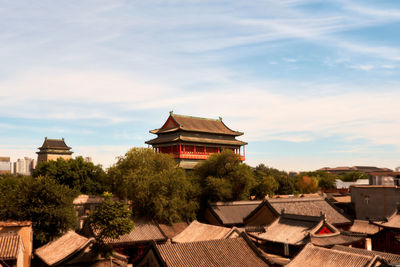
24	166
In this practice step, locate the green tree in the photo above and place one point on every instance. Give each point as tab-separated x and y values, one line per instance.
223	177
43	201
306	184
77	174
353	176
285	182
157	188
326	180
265	183
110	221
286	185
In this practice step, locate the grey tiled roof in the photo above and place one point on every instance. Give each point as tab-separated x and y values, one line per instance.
310	207
55	143
340	238
196	124
290	229
60	249
233	213
389	257
142	232
201	232
364	227
234	252
313	256
391	222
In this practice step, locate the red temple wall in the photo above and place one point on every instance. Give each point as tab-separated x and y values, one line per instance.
194	152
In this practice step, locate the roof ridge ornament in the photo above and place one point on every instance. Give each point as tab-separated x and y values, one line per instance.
171	112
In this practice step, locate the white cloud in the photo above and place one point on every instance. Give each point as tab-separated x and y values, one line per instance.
108	62
365	67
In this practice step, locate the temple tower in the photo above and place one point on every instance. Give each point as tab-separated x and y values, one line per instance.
192	139
52	149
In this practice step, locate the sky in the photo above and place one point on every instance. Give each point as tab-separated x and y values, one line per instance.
310	83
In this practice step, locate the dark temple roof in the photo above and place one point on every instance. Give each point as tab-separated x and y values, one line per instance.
54	144
234	252
9	246
191	139
311	207
232	213
195	124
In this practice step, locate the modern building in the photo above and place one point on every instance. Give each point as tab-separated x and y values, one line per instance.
192	139
364	169
52	149
5	165
375	202
384	178
24	166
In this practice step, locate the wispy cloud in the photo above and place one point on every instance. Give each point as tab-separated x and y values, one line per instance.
121	64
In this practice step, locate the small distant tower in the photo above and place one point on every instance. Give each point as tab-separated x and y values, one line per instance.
52	149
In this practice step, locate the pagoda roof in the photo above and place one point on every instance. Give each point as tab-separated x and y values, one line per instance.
54	144
206	140
195	124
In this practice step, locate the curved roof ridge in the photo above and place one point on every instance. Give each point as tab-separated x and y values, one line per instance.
195	117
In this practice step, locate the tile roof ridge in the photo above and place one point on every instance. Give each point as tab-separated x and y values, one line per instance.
236	203
198	242
339	251
362	250
301	217
294	199
195	117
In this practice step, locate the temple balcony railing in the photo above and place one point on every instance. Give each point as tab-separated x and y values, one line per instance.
197	155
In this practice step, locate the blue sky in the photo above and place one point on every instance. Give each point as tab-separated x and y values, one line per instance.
311	83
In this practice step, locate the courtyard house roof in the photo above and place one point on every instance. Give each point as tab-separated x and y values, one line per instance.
197	231
364	227
310	207
313	256
62	248
234	252
144	231
389	257
232	213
